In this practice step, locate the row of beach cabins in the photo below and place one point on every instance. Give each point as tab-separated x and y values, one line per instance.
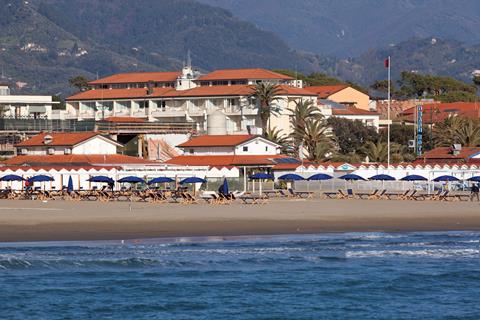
165	189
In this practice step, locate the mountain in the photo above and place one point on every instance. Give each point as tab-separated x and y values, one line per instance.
45	42
426	56
347	28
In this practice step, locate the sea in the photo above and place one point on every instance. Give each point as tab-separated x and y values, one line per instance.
428	275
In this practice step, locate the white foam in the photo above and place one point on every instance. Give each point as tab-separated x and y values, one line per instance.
431	253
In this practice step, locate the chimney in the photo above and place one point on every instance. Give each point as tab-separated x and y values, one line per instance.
150	87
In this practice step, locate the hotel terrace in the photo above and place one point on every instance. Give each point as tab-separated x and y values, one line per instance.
188	97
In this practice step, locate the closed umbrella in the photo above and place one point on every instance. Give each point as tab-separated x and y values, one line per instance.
224	188
70	184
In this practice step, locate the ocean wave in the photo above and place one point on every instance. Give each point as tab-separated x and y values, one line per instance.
430	253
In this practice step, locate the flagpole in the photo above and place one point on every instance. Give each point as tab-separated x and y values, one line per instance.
388	117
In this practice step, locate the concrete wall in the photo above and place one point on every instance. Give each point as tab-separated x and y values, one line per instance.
351	95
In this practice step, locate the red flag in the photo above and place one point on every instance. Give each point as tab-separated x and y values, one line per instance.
387	62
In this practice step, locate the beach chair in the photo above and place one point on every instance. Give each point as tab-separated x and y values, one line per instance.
410	196
367	195
273	193
404	195
341	194
300	194
330	194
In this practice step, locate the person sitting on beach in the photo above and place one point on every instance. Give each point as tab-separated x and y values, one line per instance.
474	192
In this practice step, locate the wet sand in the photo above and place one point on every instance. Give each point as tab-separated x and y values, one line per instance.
68	220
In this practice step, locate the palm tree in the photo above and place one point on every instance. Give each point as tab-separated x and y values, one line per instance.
316	139
278	137
266	94
304	111
465	131
378	151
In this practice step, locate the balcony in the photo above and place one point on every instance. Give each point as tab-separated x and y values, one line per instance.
168	112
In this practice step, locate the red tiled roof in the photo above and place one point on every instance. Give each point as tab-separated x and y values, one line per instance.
445	153
124	119
243	74
134	93
352	111
58	139
216	141
224	161
438	112
324	92
57	168
78	159
206	91
137	77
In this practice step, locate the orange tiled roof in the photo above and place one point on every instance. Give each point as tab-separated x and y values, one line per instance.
206	91
243	74
134	93
136	77
446	153
216	141
124	119
224	161
437	112
324	92
58	139
57	168
352	111
76	159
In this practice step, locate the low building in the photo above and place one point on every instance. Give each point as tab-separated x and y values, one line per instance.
70	143
24	106
333	109
343	94
233	156
438	112
453	154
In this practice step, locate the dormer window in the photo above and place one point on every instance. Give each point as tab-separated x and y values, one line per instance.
245	149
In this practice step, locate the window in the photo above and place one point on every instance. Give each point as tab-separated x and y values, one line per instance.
192	151
266	148
245	149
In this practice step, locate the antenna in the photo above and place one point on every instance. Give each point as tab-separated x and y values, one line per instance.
189	59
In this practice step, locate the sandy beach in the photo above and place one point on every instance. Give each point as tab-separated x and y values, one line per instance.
66	220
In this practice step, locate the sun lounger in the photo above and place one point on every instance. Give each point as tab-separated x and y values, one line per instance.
367	195
254	199
331	194
273	193
300	194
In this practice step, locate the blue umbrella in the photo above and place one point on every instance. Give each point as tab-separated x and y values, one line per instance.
261	176
40	178
131	179
160	180
11	177
193	180
104	179
70	184
446	178
224	187
382	177
351	176
475	179
291	177
319	177
414	177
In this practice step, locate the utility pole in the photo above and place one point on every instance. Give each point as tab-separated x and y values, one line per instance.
388	114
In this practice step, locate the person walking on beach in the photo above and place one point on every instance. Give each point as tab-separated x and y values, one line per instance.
474	192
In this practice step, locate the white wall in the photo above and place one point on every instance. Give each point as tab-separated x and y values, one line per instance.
95	146
256	147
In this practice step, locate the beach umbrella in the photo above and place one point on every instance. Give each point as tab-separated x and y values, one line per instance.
131	179
382	177
261	176
193	180
40	178
161	180
224	187
474	179
11	177
319	177
70	184
291	177
103	179
414	177
351	176
446	178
